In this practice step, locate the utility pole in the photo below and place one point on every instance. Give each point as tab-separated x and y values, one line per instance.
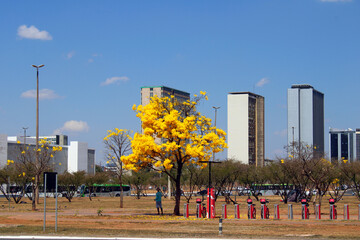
37	131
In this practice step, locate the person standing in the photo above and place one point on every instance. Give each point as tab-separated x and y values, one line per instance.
158	201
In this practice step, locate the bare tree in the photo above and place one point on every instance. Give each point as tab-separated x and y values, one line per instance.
70	182
352	173
27	167
226	176
253	178
313	171
117	143
279	173
138	181
92	179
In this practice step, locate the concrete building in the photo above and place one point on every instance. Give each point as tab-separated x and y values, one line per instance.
162	91
342	145
306	116
246	127
74	157
358	144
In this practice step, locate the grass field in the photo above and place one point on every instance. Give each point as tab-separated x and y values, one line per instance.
139	218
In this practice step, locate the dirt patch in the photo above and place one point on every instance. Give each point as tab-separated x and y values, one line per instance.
139	219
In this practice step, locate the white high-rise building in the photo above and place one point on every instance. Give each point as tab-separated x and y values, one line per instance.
246	128
306	116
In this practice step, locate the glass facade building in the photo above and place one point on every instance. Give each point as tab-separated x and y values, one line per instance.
343	145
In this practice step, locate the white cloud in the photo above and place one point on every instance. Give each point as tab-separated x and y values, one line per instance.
113	80
73	126
335	0
43	94
33	33
95	55
70	54
262	82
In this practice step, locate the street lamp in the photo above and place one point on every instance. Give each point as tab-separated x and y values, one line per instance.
37	126
210	162
215	108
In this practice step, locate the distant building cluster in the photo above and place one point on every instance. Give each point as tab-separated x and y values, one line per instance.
246	124
74	157
246	130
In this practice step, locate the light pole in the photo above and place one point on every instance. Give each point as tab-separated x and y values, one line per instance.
37	129
25	128
215	108
210	162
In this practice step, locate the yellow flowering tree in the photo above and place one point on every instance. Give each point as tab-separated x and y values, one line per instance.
117	144
174	134
27	167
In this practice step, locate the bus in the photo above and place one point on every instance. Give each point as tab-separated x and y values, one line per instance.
266	189
105	190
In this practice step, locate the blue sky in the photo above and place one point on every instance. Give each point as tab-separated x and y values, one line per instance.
97	55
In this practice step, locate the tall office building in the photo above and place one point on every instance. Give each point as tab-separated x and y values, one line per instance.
306	116
342	145
358	144
162	91
246	128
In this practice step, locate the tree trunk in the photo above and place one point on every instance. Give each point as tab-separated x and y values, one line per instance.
177	197
36	196
121	192
33	201
177	191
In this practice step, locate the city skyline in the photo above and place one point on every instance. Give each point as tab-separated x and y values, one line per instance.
98	55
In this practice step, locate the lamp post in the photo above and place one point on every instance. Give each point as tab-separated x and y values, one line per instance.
210	162
25	128
215	108
37	128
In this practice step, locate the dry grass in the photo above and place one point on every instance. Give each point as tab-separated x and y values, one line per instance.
139	219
